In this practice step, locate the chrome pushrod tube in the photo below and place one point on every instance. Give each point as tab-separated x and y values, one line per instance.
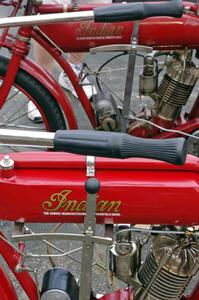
26	138
47	19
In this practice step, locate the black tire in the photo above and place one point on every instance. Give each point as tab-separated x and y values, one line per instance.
28	88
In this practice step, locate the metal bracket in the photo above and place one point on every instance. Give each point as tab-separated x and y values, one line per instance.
90	166
19	228
120	48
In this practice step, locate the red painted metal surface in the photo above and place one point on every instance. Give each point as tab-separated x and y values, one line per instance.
121	294
12	257
7	290
188	127
195	109
20	48
132	190
180	125
39	74
53	87
159	32
195	294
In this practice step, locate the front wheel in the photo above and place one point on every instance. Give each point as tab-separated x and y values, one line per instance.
14	113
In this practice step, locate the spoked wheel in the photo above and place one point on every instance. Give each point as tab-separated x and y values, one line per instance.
14	113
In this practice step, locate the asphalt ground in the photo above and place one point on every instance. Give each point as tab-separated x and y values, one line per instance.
73	265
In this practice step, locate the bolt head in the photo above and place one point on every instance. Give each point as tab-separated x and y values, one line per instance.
6	163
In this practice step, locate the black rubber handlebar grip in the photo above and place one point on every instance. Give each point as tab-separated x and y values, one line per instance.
138	11
120	145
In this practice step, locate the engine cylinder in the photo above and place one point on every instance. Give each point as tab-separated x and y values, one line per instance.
168	268
175	88
173	96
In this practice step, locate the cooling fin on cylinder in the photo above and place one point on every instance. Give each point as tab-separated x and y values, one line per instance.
168	268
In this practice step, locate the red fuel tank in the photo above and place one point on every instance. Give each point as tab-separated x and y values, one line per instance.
158	32
49	187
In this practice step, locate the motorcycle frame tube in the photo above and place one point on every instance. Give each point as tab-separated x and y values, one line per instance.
12	257
16	7
7	290
187	127
20	48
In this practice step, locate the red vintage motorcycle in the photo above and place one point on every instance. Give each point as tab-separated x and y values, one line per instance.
38	187
168	86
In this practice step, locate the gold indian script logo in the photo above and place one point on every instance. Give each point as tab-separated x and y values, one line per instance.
89	30
60	203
